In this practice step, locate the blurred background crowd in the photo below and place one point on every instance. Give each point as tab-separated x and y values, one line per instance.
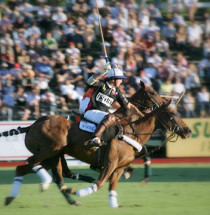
50	48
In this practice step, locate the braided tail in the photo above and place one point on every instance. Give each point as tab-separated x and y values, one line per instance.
17	131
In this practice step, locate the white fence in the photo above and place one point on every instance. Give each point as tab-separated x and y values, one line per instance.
12	148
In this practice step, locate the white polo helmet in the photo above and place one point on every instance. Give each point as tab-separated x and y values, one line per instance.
116	72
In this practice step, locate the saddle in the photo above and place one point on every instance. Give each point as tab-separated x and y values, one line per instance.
86	125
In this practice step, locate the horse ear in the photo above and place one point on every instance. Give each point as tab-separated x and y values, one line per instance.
167	102
142	84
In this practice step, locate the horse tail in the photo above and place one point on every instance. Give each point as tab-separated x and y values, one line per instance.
16	131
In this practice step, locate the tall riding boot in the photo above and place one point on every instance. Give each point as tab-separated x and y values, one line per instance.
108	121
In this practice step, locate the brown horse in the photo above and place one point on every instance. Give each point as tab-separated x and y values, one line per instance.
49	135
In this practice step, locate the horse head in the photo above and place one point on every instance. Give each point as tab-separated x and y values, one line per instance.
168	119
146	98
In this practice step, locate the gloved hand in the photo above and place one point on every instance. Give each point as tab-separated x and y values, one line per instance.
107	67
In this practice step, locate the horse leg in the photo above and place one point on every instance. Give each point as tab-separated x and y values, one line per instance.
115	177
45	177
58	179
21	171
103	177
67	173
42	155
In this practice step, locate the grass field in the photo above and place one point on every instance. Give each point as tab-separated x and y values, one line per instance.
178	189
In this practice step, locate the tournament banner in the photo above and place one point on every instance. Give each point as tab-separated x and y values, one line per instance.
12	148
198	145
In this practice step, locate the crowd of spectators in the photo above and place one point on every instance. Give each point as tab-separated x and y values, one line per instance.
48	53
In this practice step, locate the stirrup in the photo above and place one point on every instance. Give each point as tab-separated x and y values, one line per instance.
95	142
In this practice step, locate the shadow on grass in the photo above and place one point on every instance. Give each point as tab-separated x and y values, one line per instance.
175	174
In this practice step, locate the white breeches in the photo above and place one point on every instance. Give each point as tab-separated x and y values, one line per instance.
92	115
95	115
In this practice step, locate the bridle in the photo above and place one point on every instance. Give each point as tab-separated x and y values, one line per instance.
142	102
171	130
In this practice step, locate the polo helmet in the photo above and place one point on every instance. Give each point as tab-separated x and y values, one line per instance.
116	72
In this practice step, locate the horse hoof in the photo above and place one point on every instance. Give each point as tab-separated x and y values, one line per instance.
44	186
76	203
8	200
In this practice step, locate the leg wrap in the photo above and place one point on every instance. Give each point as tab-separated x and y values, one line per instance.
43	174
113	199
16	186
86	191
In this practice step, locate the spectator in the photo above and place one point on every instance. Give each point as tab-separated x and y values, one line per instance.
207	28
48	102
132	21
63	74
43	68
50	44
89	36
194	35
178	20
44	18
206	47
181	38
191	6
80	8
166	88
204	67
178	87
192	81
162	46
143	78
181	59
23	57
175	6
6	43
26	7
60	17
89	67
169	33
153	29
189	105
204	102
8	103
28	80
5	73
69	30
73	53
20	100
5	24
59	58
32	104
79	32
68	94
155	14
164	72
143	15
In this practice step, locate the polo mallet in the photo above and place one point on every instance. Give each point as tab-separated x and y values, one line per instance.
102	36
180	97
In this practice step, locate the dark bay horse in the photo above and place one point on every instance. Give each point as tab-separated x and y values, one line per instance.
49	135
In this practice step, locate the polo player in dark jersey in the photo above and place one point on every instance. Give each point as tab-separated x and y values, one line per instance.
98	100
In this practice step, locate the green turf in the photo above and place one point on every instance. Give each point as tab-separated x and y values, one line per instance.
178	189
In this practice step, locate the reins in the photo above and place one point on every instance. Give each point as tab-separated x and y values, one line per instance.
164	132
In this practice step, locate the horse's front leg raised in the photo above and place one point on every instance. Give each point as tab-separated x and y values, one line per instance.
115	177
105	174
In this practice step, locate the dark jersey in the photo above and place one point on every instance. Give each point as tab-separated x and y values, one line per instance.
104	96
